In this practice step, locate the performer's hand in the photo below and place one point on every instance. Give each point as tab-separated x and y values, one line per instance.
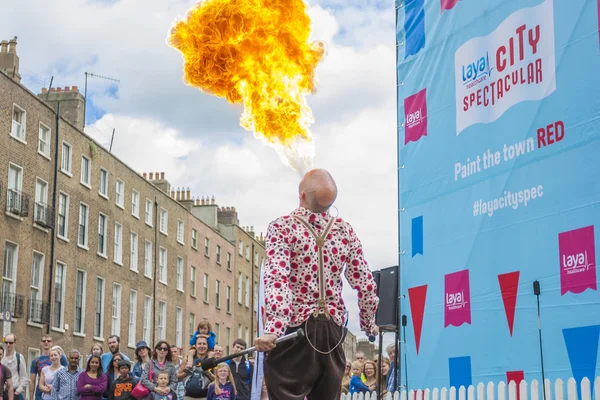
265	342
375	331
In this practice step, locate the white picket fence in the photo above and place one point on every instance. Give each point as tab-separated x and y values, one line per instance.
527	391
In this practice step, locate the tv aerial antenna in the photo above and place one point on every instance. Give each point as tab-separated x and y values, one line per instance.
92	75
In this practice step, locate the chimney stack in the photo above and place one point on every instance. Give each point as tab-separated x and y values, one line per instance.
9	61
71	103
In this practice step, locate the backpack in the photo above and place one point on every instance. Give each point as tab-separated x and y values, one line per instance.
197	383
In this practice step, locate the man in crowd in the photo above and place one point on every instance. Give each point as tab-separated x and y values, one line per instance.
241	369
64	386
16	363
38	364
113	347
306	254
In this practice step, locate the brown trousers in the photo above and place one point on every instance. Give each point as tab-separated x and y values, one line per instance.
294	370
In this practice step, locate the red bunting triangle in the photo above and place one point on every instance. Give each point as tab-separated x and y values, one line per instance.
509	286
516	376
417	296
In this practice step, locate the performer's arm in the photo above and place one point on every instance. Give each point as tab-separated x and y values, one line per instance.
360	278
277	290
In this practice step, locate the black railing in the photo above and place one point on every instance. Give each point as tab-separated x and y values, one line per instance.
44	215
15	303
17	203
38	311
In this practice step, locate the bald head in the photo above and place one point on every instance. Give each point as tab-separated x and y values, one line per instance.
317	190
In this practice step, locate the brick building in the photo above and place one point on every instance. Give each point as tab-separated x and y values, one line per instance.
91	247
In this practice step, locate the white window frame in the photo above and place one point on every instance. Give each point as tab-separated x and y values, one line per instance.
247	253
83	299
99	313
148	215
67	201
103	183
36	287
180	271
217	294
228	261
164	222
103	253
117	293
132	334
247	292
86	227
148	258
241	248
228	297
60	324
162	320
68	168
192	324
133	251
193	281
135	203
147	319
88	183
46	141
239	331
240	289
194	239
118	244
217	332
163	265
180	231
10	281
18	172
120	194
41	198
207	247
218	254
205	292
179	327
18	130
227	340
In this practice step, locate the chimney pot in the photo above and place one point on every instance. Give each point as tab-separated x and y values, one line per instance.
75	89
172	194
52	89
59	89
67	89
44	90
151	176
145	175
212	200
12	45
187	193
156	174
4	46
162	175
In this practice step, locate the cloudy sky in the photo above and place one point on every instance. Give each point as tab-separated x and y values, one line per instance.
164	125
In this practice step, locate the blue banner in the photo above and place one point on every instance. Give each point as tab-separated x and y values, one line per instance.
499	186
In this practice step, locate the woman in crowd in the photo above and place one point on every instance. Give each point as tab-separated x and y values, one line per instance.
48	373
370	371
346	378
160	361
112	373
91	384
142	356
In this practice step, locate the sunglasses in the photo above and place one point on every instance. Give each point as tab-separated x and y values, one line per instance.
117	360
163	348
46	341
9	342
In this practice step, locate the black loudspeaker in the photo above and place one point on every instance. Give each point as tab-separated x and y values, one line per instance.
387	291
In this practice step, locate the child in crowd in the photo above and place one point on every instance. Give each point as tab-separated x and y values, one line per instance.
162	381
223	388
204	328
122	386
356	383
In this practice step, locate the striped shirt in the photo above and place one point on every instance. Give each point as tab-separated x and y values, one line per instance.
65	385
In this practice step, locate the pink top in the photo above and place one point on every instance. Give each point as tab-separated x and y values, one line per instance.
291	272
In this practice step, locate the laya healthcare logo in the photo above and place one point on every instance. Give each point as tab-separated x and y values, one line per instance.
577	260
512	64
457	298
415	114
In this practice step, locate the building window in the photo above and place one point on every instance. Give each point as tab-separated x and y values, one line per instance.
239	335
164	221
86	171
217	294
255	293
35	287
241	248
116	309
180	274
82	233
65	163
180	230
59	296
103	184
207	247
217	332
162	320
247	335
179	327
218	254
227	341
80	294
147	321
44	140
228	261
120	193
192	324
102	233
133	249
247	253
135	203
193	281
19	122
11	257
247	292
41	201
240	284
99	308
148	259
118	256
15	187
63	216
206	288
131	339
194	238
228	298
148	217
255	259
162	265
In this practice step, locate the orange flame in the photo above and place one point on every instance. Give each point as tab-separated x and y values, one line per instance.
254	52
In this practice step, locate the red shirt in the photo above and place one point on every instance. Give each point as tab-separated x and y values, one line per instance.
292	267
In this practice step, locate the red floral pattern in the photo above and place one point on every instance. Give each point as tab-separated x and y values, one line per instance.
291	272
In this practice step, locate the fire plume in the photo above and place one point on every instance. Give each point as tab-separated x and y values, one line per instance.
257	53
